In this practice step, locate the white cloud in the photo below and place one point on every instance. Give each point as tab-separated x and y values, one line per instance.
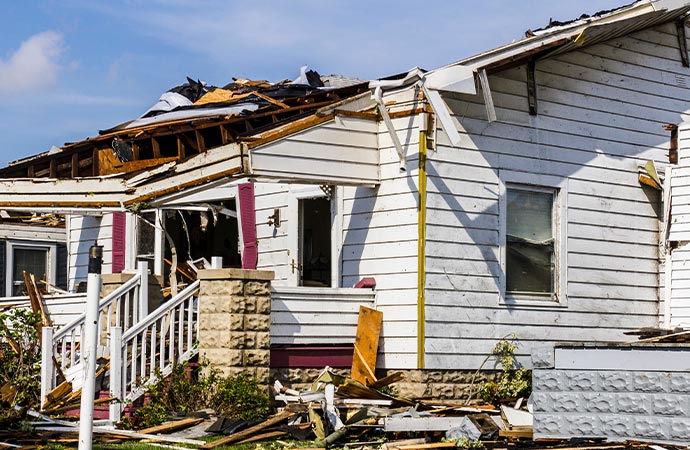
34	65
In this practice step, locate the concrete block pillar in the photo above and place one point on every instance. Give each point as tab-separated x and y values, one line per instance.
235	320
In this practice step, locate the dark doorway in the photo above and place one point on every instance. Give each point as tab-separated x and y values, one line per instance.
315	241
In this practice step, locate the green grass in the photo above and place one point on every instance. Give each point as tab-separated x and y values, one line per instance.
131	445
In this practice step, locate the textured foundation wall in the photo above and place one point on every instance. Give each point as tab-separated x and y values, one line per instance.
620	404
432	384
235	320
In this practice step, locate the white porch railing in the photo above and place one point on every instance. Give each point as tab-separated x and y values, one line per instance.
165	337
311	315
123	307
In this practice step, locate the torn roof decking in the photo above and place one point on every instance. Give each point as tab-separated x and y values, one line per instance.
169	156
317	161
176	140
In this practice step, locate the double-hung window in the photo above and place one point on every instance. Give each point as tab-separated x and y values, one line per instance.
36	258
532	242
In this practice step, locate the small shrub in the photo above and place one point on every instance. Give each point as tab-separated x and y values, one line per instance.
20	357
190	389
466	443
240	396
512	382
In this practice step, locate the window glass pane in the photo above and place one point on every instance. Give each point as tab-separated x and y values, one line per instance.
146	235
29	260
529	241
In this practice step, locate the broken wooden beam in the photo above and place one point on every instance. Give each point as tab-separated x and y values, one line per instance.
274	419
170	427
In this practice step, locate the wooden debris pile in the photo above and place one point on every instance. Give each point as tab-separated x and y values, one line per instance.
29	429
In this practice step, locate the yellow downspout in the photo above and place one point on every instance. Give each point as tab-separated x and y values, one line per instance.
421	250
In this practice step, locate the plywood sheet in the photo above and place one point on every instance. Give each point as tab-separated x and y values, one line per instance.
366	345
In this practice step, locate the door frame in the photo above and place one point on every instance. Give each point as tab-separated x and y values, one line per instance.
296	194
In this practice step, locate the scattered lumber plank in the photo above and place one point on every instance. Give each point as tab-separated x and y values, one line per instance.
56	395
517	433
366	345
274	419
36	299
15	346
263	436
172	426
683	336
395	445
354	389
385	381
426	446
395	424
77	404
7	392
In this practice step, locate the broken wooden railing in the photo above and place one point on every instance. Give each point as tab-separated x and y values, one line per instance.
151	348
123	308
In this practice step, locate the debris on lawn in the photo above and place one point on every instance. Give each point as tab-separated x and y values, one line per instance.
355	411
336	411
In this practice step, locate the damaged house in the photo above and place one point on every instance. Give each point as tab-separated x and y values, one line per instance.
517	193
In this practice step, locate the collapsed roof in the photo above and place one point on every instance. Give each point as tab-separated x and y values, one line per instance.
188	120
206	133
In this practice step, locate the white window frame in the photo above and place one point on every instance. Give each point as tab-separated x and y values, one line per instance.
51	259
294	196
131	246
538	183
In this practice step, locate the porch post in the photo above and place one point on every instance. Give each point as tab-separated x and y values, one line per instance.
47	366
116	374
88	347
143	269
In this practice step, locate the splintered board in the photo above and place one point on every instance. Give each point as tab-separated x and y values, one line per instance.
366	345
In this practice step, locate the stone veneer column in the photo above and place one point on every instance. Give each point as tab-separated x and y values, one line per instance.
235	320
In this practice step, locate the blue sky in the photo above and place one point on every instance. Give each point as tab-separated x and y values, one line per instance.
71	67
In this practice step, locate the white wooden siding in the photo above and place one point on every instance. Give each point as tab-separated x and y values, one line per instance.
302	315
62	309
678	293
83	232
32	233
379	239
343	151
680	286
601	111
